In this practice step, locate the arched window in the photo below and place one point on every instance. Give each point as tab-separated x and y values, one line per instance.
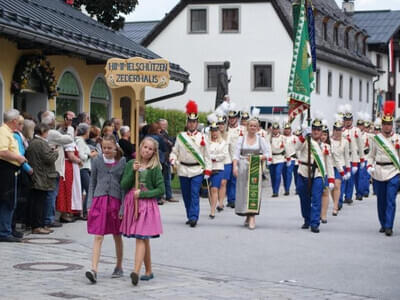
100	101
69	95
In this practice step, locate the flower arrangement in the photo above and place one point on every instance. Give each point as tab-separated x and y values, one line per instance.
39	65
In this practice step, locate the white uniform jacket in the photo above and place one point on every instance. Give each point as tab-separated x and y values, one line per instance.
324	152
353	135
184	160
290	142
279	150
340	155
384	168
218	153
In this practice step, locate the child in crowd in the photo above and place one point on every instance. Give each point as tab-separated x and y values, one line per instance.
141	214
104	212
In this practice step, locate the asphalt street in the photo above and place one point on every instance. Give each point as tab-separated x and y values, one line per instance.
220	258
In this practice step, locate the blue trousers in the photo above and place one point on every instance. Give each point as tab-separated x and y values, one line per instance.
231	188
386	192
310	203
349	187
365	182
342	185
7	212
287	174
49	206
275	171
190	187
296	176
358	181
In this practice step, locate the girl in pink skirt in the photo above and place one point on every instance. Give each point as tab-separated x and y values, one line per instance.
104	201
141	214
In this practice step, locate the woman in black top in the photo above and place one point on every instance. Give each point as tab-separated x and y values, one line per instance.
125	144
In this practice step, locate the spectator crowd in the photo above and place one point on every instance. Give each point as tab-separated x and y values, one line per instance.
45	167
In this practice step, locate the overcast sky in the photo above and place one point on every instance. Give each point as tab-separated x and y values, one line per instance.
156	9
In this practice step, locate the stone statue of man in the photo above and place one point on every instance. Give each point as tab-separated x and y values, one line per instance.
222	84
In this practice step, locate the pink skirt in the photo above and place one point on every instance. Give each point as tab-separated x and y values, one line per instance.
148	223
103	216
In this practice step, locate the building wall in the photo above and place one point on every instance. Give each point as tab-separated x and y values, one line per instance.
193	51
85	75
262	38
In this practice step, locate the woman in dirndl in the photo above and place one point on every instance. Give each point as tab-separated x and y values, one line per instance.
251	150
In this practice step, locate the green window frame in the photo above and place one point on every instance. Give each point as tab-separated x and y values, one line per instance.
100	102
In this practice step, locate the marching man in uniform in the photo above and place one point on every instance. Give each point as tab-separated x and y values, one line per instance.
191	157
353	135
321	169
385	169
278	159
290	141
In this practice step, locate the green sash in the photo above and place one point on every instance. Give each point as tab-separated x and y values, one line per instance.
388	149
253	197
196	155
318	161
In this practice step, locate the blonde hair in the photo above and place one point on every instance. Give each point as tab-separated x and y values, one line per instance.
155	159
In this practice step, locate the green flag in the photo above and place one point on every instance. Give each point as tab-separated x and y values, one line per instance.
301	80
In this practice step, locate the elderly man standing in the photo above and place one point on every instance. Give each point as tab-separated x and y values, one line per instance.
10	162
57	141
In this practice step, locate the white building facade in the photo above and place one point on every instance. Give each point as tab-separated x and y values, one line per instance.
255	36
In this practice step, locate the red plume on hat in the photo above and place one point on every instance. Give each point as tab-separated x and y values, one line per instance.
388	107
191	107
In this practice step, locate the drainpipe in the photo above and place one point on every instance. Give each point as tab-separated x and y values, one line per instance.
168	96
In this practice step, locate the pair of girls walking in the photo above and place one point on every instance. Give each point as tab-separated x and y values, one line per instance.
136	216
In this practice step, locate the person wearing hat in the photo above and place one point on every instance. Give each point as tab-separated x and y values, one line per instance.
227	163
341	163
384	167
364	177
280	156
359	175
352	134
218	149
321	168
234	131
244	118
191	157
288	168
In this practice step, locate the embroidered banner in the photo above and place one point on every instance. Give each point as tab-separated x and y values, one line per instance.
254	184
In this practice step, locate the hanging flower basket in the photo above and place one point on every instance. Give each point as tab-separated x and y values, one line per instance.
39	65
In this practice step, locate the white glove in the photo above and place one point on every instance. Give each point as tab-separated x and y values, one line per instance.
331	186
370	170
206	177
269	162
362	165
288	163
347	176
306	131
354	170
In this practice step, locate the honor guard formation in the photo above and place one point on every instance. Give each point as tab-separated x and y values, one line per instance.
231	159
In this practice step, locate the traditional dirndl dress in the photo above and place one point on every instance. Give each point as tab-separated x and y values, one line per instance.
244	204
148	223
103	216
69	198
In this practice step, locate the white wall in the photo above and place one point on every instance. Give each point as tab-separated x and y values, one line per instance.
262	38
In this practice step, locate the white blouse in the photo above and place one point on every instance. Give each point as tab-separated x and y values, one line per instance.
259	144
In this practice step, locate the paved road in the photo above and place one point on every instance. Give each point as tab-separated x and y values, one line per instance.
221	259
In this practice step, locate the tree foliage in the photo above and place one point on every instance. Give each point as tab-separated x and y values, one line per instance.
108	11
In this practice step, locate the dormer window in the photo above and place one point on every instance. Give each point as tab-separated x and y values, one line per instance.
336	34
346	38
325	29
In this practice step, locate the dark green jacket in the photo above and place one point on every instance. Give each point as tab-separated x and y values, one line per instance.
42	160
154	181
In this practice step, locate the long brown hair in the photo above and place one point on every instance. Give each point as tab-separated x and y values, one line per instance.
112	139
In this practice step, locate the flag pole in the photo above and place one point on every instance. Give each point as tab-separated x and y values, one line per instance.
309	151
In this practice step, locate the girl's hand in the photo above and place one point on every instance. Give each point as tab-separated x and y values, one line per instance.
136	166
121	215
137	192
